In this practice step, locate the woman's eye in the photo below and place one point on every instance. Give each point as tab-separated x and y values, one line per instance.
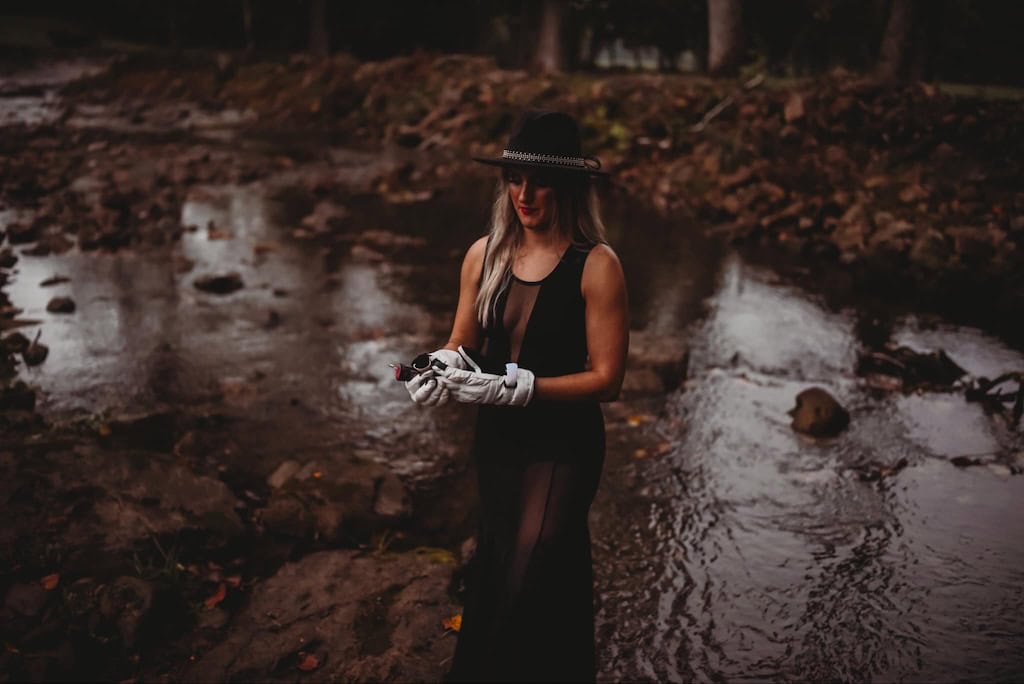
542	181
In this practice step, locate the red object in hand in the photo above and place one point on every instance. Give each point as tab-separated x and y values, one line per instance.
404	372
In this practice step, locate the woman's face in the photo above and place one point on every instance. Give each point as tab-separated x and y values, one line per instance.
532	195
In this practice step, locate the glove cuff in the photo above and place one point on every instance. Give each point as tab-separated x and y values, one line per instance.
523	391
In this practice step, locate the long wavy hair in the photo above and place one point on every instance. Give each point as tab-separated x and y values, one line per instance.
576	217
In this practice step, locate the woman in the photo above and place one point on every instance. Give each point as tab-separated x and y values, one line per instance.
545	291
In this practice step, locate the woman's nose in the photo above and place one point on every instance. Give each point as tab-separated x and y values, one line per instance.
525	191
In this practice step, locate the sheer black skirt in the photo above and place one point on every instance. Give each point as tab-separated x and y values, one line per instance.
529	612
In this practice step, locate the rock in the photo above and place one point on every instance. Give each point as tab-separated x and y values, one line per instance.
642	381
50	243
282	474
19	234
366	617
930	370
14	343
392	498
656	363
54	280
288	516
337	502
219	284
214	618
35	353
25	598
126	604
17	397
930	250
61	305
7	258
817	413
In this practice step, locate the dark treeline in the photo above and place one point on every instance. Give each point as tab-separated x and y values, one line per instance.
956	40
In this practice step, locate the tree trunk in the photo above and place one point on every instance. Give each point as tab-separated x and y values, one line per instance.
250	43
318	43
897	48
725	36
550	55
173	40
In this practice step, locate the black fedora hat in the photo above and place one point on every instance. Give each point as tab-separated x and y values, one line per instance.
546	140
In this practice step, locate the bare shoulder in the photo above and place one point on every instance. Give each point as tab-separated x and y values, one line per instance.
602	262
602	270
476	250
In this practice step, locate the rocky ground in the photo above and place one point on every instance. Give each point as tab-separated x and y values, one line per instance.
142	546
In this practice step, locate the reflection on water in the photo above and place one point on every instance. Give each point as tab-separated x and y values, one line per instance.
743	552
756	554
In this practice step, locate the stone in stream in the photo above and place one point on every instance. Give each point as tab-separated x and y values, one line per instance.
7	258
61	305
219	284
54	280
14	343
817	413
35	353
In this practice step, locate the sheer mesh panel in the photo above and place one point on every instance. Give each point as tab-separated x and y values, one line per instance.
518	307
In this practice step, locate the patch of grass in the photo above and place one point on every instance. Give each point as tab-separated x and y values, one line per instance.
981	91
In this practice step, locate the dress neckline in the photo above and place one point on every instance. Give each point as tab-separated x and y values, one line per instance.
550	273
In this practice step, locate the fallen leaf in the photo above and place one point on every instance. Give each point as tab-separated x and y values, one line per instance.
217	597
308	661
50	582
453	623
104	430
640	453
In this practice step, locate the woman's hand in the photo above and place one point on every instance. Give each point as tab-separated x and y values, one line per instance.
468	384
471	387
424	388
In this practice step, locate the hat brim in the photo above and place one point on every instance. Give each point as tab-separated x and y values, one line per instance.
502	161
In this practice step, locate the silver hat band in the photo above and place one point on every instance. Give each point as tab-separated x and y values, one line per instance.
530	157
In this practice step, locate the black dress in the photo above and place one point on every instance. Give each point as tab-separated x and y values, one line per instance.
529	612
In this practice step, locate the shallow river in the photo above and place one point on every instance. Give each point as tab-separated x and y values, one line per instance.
732	550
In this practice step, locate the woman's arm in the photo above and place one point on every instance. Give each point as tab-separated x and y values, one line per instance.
466	329
607	320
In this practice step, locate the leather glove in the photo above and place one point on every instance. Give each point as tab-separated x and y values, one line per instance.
424	388
452	359
473	386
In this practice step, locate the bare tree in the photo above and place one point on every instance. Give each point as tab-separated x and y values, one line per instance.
250	43
725	36
318	43
904	52
550	55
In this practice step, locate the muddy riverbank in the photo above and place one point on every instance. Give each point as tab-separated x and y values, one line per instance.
212	476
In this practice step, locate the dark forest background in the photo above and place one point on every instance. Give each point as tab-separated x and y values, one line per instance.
950	40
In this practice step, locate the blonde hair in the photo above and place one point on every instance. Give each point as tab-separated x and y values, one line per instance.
576	217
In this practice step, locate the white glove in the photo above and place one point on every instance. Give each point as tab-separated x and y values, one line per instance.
450	358
425	389
475	387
